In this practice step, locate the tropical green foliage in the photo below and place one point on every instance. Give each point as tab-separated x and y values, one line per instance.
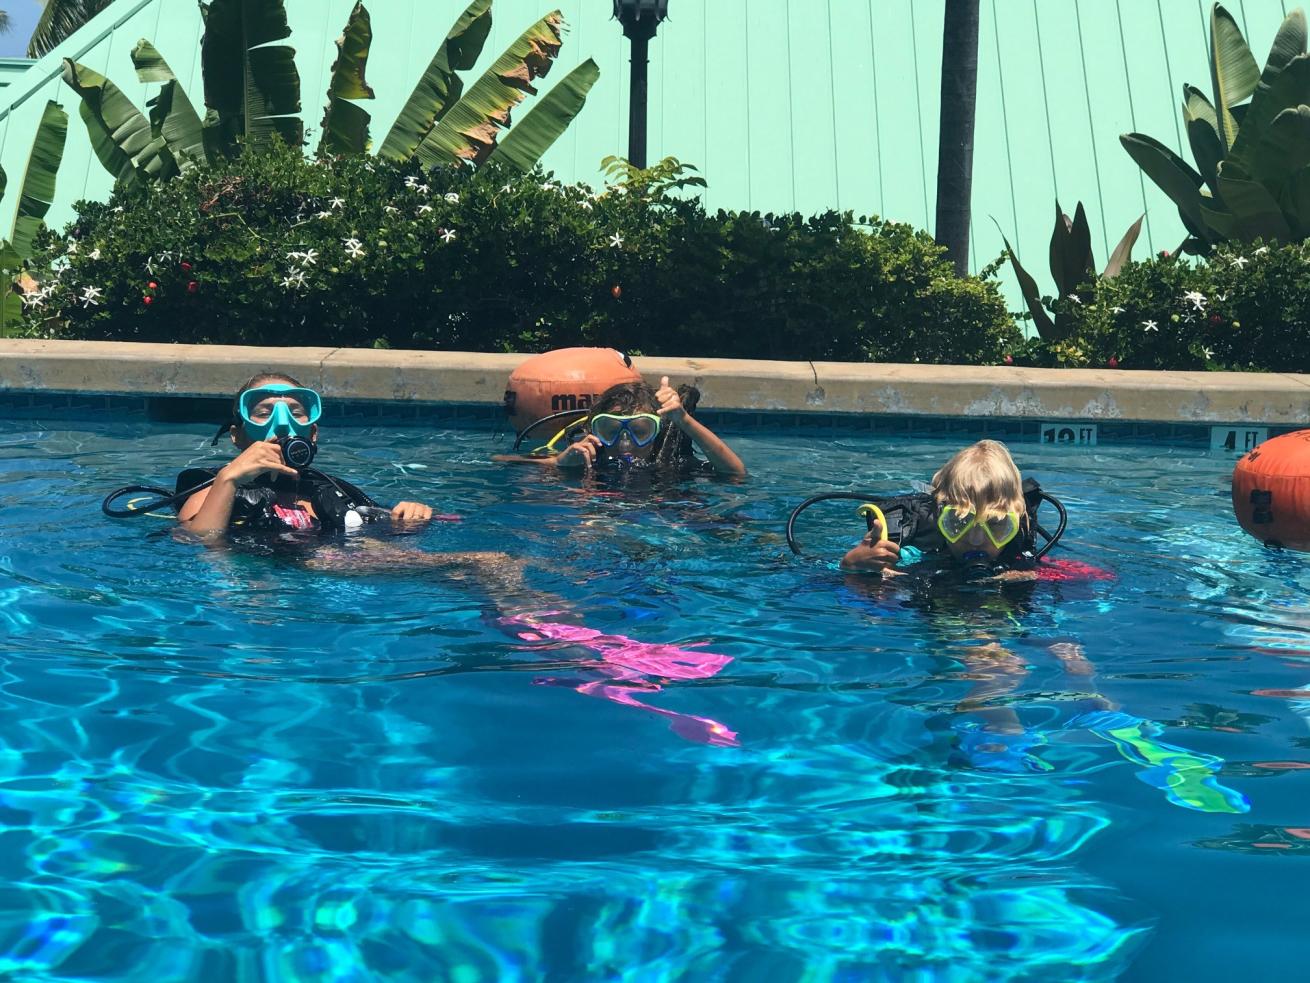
59	19
1247	308
1251	144
36	190
253	96
1072	267
273	248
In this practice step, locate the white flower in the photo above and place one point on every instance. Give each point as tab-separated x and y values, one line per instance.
1195	298
1262	250
295	256
294	280
586	205
391	210
424	209
352	243
411	181
91	296
150	266
549	187
354	248
448	235
72	248
309	257
336	203
118	209
452	197
1076	299
1150	326
507	189
34	301
1240	262
423	189
94	254
1116	310
322	214
1207	353
616	241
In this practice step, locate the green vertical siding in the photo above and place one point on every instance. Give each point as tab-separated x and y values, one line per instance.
782	104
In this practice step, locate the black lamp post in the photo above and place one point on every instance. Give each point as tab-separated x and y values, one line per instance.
640	20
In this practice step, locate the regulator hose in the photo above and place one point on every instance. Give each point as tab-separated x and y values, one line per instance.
864	498
522	434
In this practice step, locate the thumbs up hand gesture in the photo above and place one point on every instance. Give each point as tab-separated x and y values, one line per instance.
670	403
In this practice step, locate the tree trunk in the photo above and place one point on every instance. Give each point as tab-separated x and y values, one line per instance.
955	142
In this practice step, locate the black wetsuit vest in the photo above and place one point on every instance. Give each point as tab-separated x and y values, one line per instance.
252	507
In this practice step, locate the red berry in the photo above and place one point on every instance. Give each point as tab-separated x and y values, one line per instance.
192	287
186	266
1216	319
616	291
152	285
1009	359
1112	362
1164	254
147	300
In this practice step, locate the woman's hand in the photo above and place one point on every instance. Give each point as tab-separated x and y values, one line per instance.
258	459
670	402
581	454
411	512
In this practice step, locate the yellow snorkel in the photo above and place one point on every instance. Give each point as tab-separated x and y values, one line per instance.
870	513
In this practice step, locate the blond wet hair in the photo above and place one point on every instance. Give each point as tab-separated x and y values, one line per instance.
981	478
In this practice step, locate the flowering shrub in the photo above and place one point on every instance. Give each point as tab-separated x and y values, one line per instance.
1246	308
275	249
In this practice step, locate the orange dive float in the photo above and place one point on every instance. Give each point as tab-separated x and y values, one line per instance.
562	380
1271	491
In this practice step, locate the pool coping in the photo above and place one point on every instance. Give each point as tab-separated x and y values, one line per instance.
472	379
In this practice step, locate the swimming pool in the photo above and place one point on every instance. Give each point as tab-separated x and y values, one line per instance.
218	766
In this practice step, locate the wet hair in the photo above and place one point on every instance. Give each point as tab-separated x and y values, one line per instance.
672	446
258	379
981	478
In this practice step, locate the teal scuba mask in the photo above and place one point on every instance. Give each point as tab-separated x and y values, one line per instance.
279	411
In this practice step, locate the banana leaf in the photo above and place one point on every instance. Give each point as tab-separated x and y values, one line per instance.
1171	174
1285	149
11	308
1289	88
1233	70
345	125
37	187
1289	42
1046	329
1207	150
533	135
469	131
250	82
172	116
1197	106
1294	200
440	88
120	136
1124	251
1249	212
1071	251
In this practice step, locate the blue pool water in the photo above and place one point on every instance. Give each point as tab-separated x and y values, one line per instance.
218	766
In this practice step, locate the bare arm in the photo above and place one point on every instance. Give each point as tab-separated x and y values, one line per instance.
720	455
208	512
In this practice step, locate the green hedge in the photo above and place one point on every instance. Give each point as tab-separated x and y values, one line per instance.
259	251
1245	308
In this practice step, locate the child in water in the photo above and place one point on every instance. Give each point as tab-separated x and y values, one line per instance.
980	514
632	424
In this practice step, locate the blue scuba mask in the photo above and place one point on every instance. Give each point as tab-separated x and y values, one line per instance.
279	411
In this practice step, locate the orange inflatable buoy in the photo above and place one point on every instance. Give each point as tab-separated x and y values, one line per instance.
565	379
1271	491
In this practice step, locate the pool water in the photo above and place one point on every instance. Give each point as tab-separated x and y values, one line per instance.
684	753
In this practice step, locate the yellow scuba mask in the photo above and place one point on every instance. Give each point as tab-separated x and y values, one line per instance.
954	524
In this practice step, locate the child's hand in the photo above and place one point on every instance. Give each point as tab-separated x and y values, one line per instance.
257	459
581	454
670	402
873	553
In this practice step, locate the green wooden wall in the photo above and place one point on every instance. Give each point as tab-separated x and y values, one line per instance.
783	104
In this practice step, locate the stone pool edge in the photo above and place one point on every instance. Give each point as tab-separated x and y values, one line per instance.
727	385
